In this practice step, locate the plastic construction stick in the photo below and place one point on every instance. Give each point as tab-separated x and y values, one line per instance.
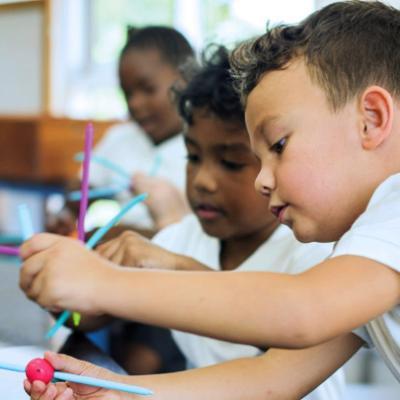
86	380
25	220
107	164
89	245
9	250
99	192
104	229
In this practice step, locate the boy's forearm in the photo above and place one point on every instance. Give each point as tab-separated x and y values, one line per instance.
259	308
278	374
179	262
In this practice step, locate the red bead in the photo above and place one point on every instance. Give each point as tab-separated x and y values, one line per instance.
39	369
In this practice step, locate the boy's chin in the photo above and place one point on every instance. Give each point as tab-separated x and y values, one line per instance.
314	235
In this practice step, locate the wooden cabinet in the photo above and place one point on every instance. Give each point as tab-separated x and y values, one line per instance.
41	149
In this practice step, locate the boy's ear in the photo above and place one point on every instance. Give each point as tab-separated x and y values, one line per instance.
376	106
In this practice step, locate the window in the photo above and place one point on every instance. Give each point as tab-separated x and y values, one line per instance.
87	36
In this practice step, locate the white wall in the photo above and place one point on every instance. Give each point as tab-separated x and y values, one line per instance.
21	59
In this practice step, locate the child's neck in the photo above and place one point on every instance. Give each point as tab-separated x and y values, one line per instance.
235	251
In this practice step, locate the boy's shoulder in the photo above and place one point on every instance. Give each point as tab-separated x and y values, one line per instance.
376	232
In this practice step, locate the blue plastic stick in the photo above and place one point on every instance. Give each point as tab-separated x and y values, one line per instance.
107	164
99	192
89	245
104	229
87	380
25	220
61	320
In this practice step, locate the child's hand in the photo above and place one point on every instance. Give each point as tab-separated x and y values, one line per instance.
166	203
132	249
71	391
60	274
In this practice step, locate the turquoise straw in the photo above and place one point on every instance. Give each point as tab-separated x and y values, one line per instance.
89	245
99	192
87	380
104	229
107	164
25	220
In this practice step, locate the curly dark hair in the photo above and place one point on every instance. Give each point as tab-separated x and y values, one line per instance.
346	46
211	88
172	45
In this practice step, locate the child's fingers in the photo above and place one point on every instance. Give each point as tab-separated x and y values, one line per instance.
37	389
34	290
27	387
107	249
37	243
30	270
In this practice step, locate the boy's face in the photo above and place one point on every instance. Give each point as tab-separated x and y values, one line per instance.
312	167
220	179
146	81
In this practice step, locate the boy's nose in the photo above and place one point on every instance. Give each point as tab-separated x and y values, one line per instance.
135	103
265	181
204	181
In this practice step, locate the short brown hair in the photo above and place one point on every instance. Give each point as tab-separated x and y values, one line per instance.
346	46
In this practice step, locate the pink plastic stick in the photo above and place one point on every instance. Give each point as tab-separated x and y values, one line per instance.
11	251
85	181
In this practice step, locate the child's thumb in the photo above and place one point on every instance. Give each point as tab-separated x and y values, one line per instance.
62	362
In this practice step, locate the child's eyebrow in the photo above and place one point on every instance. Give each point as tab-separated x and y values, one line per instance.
266	124
233	147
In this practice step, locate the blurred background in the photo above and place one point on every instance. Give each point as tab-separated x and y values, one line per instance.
58	70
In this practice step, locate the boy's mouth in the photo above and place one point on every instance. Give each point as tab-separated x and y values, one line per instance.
279	212
206	211
146	122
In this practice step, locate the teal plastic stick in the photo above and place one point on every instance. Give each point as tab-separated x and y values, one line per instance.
107	164
86	380
98	192
25	220
104	229
89	245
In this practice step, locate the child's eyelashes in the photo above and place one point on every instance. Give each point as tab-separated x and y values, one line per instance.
192	158
232	166
279	146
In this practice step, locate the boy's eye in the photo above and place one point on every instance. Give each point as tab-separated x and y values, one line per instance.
193	158
279	146
233	166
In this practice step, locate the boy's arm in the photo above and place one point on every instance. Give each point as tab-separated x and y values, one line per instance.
277	310
259	308
278	374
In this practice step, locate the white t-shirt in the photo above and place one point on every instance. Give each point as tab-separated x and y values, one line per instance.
128	146
376	235
280	253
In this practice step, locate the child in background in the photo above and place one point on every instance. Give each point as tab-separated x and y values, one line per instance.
151	142
229	232
323	114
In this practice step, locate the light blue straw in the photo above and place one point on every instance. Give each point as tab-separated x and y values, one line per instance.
89	245
99	192
87	380
112	190
25	220
107	164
